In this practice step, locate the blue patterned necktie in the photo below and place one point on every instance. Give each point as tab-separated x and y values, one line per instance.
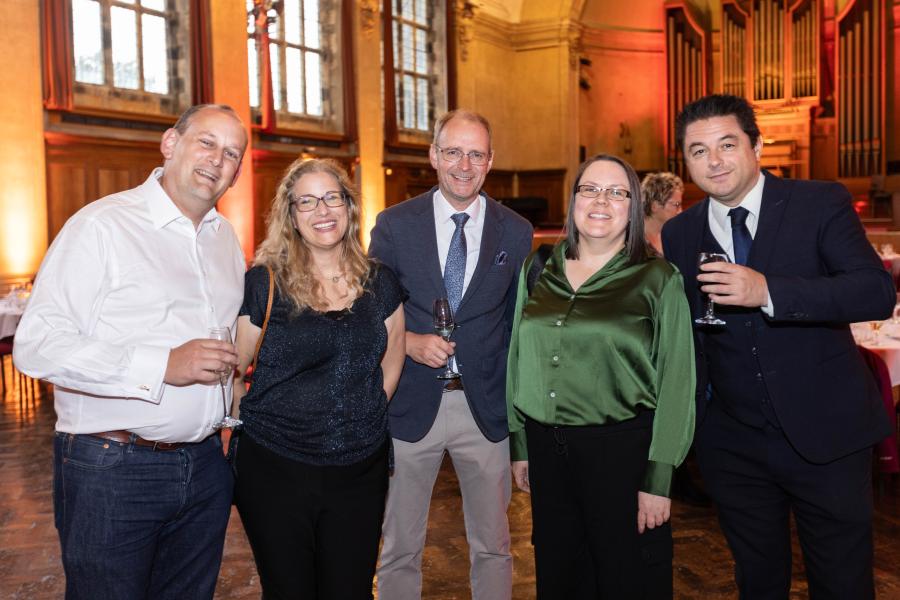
455	267
740	235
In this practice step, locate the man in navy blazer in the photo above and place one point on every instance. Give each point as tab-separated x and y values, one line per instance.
452	242
787	411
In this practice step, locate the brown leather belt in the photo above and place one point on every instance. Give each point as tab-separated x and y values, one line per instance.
126	437
454	385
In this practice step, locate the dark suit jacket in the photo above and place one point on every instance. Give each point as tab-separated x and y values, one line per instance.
404	239
822	274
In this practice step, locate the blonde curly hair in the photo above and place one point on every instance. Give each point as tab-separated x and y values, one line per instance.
287	253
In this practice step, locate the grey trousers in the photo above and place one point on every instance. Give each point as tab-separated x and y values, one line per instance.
483	470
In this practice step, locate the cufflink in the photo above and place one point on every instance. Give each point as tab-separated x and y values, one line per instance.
145	388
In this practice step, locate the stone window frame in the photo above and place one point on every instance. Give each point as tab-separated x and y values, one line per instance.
440	74
335	50
106	97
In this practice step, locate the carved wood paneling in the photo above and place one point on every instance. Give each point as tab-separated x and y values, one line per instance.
81	170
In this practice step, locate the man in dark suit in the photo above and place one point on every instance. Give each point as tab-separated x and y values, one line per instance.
457	243
787	412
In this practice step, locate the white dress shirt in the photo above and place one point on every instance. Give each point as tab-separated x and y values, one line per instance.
444	228
720	224
128	278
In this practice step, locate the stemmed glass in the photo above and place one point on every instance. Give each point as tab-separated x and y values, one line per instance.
710	318
224	334
444	326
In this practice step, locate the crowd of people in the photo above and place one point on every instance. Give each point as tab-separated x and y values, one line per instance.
582	372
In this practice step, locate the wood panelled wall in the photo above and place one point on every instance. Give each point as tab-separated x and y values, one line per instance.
81	170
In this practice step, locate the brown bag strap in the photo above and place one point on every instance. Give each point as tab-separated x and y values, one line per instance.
265	324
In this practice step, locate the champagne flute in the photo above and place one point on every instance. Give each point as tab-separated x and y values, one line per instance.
224	334
444	326
709	318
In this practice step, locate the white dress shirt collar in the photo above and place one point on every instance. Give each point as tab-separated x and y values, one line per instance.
718	213
444	211
163	210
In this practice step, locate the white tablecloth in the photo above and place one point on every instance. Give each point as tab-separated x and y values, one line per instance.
888	346
9	319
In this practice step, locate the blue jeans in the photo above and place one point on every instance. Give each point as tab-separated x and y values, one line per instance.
137	523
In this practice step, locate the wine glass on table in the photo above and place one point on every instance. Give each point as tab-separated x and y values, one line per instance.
710	318
876	331
444	326
224	334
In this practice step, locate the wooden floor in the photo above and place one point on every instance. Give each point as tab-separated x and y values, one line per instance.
29	553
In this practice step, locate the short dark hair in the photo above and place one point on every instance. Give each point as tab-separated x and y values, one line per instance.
635	246
717	105
184	121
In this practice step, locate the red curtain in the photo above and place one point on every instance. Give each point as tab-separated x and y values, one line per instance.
56	30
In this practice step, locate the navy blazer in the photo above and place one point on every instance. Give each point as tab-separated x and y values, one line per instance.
404	239
822	275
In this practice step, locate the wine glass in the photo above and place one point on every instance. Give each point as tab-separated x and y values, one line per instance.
224	334
710	318
444	326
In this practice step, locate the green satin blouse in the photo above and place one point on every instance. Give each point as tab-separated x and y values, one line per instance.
620	344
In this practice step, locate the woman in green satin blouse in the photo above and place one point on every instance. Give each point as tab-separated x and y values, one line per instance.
600	397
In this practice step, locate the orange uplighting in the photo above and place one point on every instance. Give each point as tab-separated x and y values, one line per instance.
23	234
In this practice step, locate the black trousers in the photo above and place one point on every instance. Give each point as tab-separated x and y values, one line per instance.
314	530
757	479
584	486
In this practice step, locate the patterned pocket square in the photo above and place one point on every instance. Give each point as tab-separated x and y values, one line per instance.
501	258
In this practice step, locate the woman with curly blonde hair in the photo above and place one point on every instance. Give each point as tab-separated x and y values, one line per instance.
662	201
313	460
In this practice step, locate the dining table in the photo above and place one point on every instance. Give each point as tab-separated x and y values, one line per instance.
11	309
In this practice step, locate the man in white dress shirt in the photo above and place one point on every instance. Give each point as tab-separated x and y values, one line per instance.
118	322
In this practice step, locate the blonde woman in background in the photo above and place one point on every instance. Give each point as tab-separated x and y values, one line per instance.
662	200
312	463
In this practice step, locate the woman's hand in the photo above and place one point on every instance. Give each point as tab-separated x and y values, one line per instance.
653	511
520	474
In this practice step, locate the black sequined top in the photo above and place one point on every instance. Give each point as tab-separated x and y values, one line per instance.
317	394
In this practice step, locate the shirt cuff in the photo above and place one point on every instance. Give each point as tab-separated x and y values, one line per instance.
518	446
144	379
658	479
769	308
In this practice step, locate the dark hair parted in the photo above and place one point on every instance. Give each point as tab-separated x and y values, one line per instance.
635	246
658	188
184	121
717	105
285	250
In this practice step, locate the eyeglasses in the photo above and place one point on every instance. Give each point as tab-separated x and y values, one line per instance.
610	193
308	202
454	155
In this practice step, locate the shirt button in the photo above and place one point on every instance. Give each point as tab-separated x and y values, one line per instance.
559	323
555	358
572	297
759	375
553	394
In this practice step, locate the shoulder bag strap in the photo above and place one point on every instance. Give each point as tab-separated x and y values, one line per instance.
265	324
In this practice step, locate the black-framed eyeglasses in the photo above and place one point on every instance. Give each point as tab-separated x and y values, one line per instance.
454	155
613	194
308	202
